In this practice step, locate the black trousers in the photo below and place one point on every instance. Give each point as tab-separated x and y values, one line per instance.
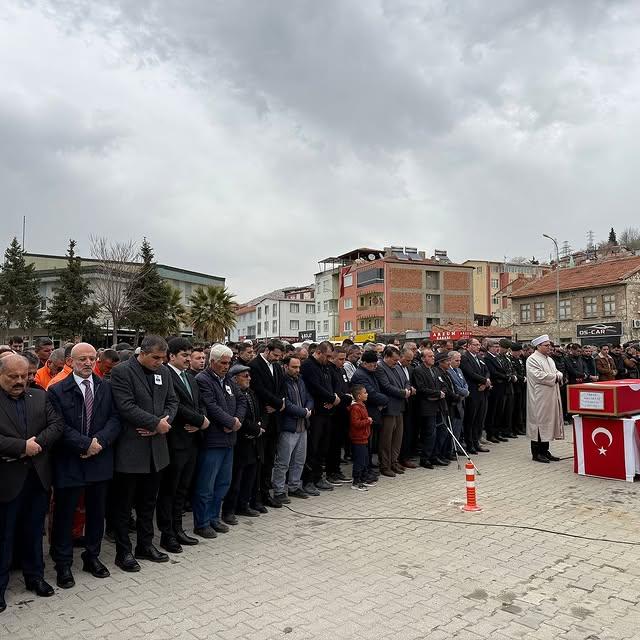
339	427
239	495
317	447
517	413
475	410
269	443
495	411
507	415
407	448
174	489
23	517
139	490
66	501
428	437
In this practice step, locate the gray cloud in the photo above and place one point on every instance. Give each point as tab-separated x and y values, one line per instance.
244	136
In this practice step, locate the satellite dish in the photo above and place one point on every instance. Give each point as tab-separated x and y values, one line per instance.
371	256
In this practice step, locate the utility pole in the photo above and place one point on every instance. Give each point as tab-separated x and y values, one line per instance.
555	242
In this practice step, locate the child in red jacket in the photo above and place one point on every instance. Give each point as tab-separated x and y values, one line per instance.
359	432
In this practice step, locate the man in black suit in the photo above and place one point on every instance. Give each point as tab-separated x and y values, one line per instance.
146	402
183	440
29	426
494	422
477	377
267	382
82	462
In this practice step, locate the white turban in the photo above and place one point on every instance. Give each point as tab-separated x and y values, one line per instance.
540	339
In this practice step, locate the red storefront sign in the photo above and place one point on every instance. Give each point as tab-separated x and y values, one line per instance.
449	335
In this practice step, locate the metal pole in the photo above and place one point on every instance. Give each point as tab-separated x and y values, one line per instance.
555	242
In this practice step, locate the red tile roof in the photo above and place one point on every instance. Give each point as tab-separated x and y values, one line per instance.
587	276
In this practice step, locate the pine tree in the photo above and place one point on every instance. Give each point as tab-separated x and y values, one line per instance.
151	312
20	299
612	237
71	313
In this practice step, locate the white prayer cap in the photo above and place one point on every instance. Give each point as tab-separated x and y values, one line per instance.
540	339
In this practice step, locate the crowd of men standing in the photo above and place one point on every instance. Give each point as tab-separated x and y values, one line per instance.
230	431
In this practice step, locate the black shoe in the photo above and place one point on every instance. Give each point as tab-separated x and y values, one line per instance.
40	587
248	512
205	532
260	508
501	439
3	604
436	462
298	493
64	578
185	540
453	457
219	527
282	498
425	464
548	456
472	452
110	536
493	440
482	450
128	563
95	568
541	458
230	518
170	544
151	553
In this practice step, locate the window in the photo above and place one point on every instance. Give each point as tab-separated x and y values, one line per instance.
369	276
274	326
432	279
266	312
565	309
494	300
494	283
259	315
251	331
348	303
294	325
348	325
525	313
348	280
377	323
479	269
432	304
325	305
318	307
609	305
294	307
259	325
310	325
274	313
590	306
431	321
319	325
538	311
325	325
495	268
311	308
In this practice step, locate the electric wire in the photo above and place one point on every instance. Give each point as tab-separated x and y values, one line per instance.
466	523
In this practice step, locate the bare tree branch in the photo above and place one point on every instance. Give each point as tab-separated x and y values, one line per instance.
118	269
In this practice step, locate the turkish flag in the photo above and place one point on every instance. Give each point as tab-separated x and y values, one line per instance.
605	447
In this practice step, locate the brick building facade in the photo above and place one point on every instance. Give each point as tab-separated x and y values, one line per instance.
403	291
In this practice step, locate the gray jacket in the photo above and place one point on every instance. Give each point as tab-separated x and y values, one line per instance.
142	406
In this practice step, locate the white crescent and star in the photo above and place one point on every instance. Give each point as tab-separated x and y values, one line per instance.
601	450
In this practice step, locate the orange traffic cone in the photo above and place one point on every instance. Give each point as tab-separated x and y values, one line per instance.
471	505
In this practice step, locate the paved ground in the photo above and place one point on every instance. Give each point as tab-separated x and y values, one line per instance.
304	575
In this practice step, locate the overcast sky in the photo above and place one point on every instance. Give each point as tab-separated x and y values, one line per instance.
251	138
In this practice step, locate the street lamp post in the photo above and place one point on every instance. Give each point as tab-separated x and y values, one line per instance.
555	242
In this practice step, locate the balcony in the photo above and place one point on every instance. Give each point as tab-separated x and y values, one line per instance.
377	309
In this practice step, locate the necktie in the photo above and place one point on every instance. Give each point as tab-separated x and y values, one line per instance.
88	405
183	377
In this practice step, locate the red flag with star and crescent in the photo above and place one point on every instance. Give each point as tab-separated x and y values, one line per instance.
605	447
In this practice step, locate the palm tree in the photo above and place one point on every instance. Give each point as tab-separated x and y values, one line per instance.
176	312
212	313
